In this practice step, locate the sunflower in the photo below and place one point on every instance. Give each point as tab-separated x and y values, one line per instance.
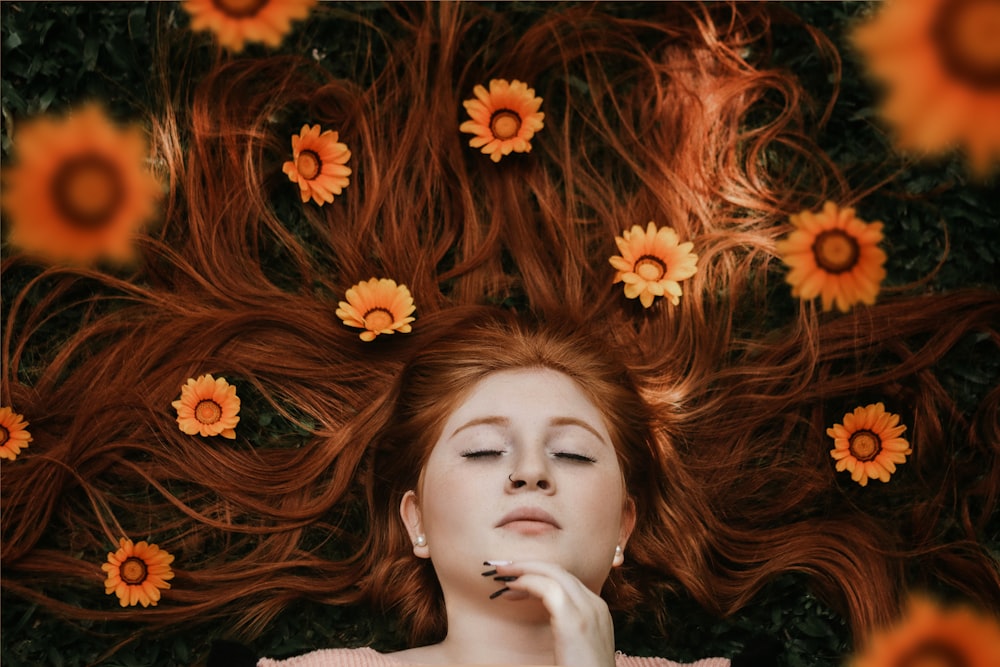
80	188
934	636
504	119
14	435
317	164
236	22
379	306
652	263
835	255
208	406
868	444
137	572
939	61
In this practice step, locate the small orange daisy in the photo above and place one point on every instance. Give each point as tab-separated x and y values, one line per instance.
137	572
868	445
931	634
14	435
652	263
208	406
379	306
835	255
504	119
939	61
80	188
236	22
317	164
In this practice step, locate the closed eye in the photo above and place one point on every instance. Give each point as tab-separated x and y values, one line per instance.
572	456
481	453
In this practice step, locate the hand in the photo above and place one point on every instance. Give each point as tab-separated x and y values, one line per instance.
581	623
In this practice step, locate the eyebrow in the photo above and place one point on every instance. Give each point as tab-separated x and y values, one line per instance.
503	421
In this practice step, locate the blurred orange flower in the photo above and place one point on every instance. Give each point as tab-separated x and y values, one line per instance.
652	263
379	306
939	61
236	22
14	435
835	255
317	164
80	188
868	445
137	572
208	406
931	634
504	118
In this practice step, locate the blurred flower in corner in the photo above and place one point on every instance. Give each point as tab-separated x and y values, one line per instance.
933	635
939	62
80	188
137	572
236	22
14	435
833	254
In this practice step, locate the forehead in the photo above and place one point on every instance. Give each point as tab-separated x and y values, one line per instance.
526	395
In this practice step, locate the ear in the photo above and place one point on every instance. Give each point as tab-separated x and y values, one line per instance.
409	511
628	525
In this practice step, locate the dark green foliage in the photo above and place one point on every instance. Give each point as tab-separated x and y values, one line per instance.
942	229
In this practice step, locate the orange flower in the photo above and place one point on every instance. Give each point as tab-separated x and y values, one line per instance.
379	306
317	164
208	406
940	64
14	435
504	119
929	634
652	263
137	572
80	188
868	444
834	255
236	22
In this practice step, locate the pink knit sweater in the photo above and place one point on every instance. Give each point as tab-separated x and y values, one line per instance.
366	657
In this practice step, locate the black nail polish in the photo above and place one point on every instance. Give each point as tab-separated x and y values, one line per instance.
494	595
489	573
508	578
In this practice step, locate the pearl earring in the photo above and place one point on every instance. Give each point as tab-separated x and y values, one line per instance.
619	556
421	541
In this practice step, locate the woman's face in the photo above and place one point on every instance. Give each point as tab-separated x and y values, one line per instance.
524	470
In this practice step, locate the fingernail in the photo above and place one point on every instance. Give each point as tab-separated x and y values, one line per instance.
504	578
494	595
494	563
489	573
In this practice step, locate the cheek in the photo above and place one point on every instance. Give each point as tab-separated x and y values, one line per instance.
454	499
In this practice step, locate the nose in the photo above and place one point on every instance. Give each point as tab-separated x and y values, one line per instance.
531	471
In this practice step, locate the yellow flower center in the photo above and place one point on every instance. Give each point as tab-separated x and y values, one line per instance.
378	319
966	34
239	9
133	571
649	268
505	124
208	412
865	445
836	251
308	165
4	435
87	190
933	653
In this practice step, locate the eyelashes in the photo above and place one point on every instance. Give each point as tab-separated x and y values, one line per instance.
491	453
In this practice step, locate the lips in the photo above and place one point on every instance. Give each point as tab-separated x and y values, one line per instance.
531	514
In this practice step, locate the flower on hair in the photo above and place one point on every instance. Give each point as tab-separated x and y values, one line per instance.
137	572
835	255
932	634
14	435
652	263
503	118
236	22
868	444
208	406
939	62
318	164
80	187
379	306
